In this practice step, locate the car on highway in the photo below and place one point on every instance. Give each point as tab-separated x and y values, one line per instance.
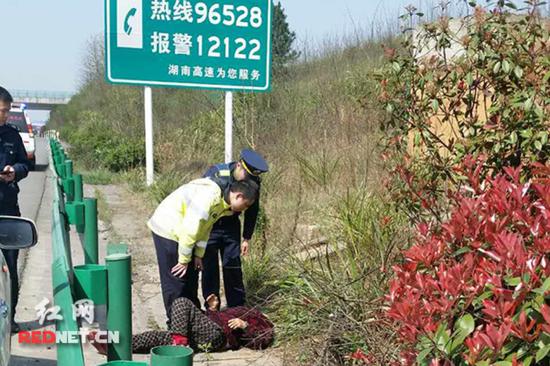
15	233
19	119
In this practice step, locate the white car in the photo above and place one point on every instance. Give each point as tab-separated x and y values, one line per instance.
19	118
15	233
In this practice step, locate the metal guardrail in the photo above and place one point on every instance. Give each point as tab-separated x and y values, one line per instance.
51	134
108	286
62	280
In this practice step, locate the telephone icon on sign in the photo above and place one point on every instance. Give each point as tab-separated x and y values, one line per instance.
127	26
129	23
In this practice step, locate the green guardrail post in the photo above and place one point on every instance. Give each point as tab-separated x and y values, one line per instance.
69	168
91	253
78	188
57	157
68	188
63	154
119	305
171	356
68	181
61	165
79	197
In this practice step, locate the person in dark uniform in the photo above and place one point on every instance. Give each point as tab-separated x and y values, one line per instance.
14	166
225	238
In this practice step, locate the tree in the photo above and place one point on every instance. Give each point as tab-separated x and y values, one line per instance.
283	38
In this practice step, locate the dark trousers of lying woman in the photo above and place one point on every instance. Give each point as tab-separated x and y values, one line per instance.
186	320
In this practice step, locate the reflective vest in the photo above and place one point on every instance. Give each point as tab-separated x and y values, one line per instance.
187	216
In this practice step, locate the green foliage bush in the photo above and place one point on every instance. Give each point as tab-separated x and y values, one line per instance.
126	153
492	99
95	144
489	101
475	290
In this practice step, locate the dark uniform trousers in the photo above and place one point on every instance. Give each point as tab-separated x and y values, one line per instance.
11	256
225	240
174	287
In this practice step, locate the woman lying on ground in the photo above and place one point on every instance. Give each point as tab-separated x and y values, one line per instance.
232	328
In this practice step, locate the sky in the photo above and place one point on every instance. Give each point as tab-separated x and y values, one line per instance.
44	42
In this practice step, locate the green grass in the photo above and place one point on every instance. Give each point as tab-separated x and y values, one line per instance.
104	212
99	177
326	304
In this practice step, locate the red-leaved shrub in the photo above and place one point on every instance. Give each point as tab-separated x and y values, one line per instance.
474	291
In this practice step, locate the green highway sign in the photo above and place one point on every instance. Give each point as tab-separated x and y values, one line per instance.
215	44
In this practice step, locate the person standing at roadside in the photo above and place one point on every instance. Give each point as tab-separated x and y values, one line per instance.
225	238
14	166
180	227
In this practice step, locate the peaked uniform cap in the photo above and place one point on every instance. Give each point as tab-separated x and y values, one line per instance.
254	163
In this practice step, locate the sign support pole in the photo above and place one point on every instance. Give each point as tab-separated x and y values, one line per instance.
228	126
149	163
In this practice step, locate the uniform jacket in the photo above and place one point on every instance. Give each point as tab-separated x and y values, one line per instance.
187	216
222	174
12	152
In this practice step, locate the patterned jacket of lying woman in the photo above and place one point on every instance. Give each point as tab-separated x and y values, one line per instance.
231	328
